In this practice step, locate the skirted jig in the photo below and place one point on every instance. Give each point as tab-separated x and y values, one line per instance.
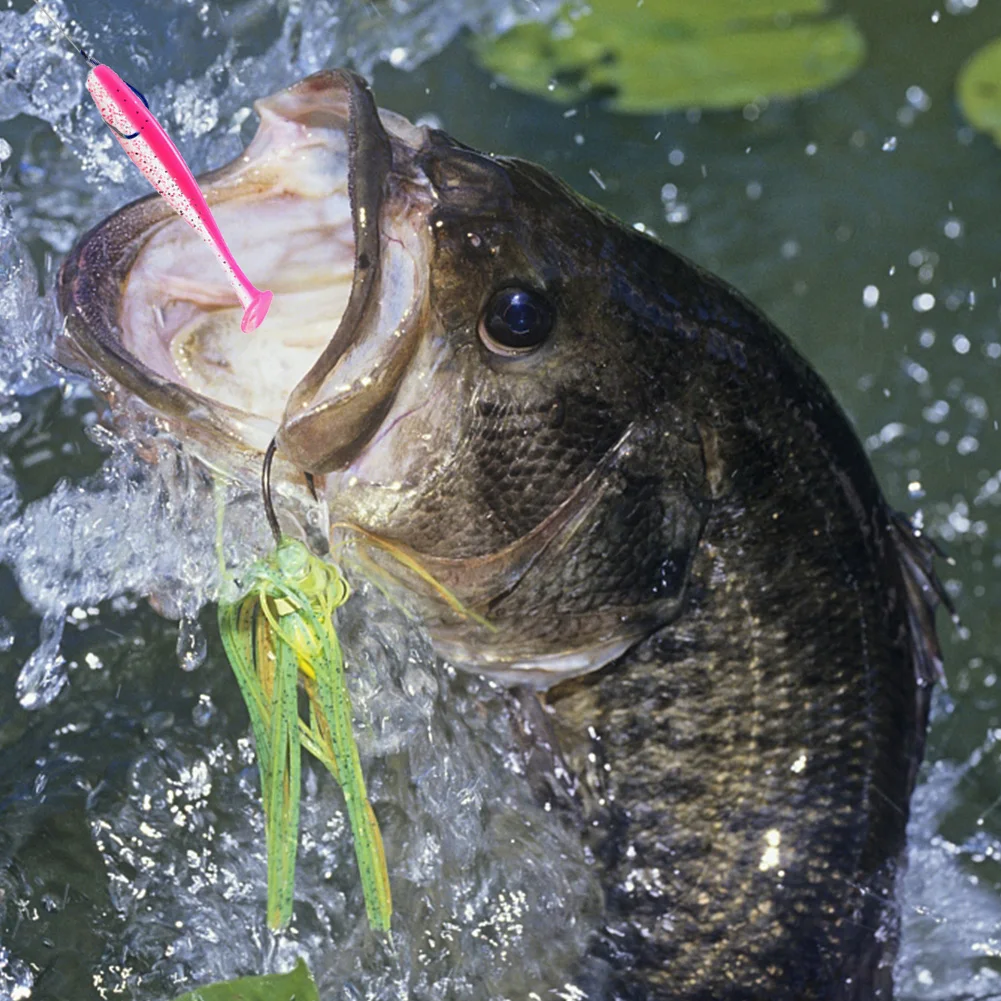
279	632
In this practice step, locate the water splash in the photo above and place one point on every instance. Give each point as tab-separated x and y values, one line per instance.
16	980
494	894
43	675
27	318
135	528
143	776
951	927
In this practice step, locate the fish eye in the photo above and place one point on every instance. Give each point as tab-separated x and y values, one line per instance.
516	320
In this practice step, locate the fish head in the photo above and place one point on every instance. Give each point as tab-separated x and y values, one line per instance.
456	356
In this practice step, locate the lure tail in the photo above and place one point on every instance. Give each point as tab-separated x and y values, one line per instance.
254	314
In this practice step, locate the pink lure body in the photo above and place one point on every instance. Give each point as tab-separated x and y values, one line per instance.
155	154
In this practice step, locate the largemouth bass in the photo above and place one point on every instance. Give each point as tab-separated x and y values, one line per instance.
722	636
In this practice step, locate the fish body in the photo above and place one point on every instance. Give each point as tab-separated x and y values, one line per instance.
723	637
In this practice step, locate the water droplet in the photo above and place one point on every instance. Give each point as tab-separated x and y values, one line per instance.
191	644
204	712
7	635
917	98
678	214
44	673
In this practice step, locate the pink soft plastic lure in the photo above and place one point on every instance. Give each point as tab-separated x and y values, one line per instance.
152	151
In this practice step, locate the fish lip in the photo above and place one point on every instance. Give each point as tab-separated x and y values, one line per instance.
348	421
370	160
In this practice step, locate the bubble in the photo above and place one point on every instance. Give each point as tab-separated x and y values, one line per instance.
204	712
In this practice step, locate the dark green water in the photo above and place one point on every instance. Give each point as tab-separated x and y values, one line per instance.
803	205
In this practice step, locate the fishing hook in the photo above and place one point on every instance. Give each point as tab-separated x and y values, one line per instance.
142	97
269	507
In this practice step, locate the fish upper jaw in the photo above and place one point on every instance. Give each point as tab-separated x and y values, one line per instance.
343	399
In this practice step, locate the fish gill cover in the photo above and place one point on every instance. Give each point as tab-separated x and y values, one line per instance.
132	846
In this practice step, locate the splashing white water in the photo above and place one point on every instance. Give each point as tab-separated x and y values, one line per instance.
142	775
951	940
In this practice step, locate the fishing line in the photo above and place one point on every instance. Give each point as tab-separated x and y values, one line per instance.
269	507
90	60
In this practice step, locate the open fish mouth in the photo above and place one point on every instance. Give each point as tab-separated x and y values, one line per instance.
325	207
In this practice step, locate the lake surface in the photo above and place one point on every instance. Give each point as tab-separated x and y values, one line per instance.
865	220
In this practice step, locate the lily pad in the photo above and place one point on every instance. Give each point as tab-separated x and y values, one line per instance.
978	89
296	985
667	54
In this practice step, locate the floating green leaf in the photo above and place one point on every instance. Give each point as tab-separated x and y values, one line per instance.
978	89
296	985
669	54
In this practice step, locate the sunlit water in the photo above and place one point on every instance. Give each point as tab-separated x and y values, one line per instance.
865	221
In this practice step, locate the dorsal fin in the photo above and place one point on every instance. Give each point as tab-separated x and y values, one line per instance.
924	593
